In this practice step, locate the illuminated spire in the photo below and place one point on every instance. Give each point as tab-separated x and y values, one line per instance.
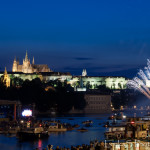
84	73
5	73
15	58
33	60
26	58
6	79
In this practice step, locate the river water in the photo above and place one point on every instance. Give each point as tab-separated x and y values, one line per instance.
61	139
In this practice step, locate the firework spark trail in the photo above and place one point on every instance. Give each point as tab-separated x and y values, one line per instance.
140	83
147	72
148	62
136	86
142	75
148	69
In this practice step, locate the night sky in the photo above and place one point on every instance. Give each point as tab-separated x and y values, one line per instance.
107	37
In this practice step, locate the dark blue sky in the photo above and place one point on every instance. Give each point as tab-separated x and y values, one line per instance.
107	37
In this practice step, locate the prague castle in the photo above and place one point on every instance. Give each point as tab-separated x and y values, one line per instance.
31	71
27	67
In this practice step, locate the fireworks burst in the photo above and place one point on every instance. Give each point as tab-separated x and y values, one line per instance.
142	82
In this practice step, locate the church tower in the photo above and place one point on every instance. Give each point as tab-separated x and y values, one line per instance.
15	66
84	73
6	78
27	67
33	61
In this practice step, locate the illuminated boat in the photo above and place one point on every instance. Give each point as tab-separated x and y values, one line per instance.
13	130
56	127
32	133
115	132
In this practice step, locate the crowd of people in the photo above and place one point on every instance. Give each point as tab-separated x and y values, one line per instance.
94	145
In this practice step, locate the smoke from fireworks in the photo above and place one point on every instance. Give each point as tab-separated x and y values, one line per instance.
142	82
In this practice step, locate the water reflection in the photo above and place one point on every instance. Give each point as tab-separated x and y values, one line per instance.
40	143
62	139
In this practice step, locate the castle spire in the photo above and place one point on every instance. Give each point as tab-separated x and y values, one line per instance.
15	58
5	73
33	60
84	73
26	58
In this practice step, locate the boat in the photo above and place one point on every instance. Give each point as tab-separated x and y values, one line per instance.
32	133
57	127
82	130
138	129
115	132
133	128
13	130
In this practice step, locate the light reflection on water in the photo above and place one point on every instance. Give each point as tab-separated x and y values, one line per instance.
60	138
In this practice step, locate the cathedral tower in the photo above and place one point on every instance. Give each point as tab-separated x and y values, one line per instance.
84	73
27	67
6	78
15	66
33	61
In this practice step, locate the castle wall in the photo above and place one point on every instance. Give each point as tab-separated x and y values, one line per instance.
93	82
110	82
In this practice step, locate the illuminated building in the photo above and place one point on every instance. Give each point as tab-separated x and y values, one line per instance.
92	82
27	67
81	88
5	78
84	73
89	82
31	71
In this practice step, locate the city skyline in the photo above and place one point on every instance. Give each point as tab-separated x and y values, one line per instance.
79	72
71	36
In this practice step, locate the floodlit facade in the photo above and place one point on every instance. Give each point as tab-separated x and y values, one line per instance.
5	78
93	82
88	82
79	83
27	67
